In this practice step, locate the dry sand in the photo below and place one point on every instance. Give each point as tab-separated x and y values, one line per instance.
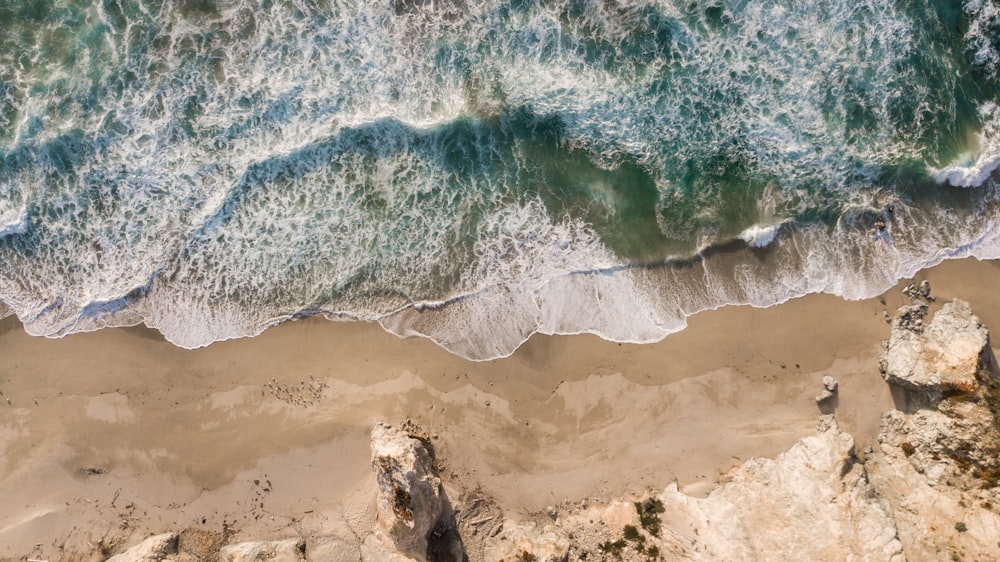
113	435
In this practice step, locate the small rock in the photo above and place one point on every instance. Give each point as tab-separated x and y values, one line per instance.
829	389
830	383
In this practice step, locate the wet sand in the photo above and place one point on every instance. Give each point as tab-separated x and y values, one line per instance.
113	435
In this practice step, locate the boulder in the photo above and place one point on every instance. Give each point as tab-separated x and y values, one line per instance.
941	358
290	550
829	389
410	498
154	549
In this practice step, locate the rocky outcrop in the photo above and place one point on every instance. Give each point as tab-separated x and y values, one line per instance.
939	359
813	502
940	479
410	501
291	550
529	541
332	549
167	548
938	459
157	548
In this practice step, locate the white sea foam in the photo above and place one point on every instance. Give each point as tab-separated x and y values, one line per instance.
976	169
759	236
351	162
16	225
981	36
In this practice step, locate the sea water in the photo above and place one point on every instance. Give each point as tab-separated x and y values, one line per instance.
478	171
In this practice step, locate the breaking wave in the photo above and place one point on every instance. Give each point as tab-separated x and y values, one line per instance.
478	172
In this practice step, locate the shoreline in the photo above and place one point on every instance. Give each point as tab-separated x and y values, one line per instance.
563	419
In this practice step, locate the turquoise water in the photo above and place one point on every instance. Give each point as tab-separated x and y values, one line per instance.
478	171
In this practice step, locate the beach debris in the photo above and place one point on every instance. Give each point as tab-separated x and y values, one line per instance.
829	389
478	519
411	500
303	394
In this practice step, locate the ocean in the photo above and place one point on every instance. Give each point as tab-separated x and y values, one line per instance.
476	172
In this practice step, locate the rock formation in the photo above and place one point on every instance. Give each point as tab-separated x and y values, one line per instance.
939	457
940	359
411	500
829	389
157	548
167	548
813	500
291	550
529	541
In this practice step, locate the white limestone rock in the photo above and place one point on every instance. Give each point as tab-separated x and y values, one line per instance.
938	468
830	386
332	549
159	548
410	499
811	503
941	357
540	543
290	550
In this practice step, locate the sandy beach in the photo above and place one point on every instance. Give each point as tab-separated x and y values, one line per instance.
110	436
